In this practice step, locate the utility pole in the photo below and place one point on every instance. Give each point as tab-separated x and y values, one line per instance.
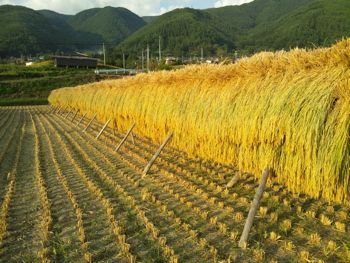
202	55
104	54
143	61
160	51
124	62
147	57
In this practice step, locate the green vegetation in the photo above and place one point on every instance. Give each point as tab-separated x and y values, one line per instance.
25	31
252	27
183	31
149	19
112	24
20	85
259	25
319	23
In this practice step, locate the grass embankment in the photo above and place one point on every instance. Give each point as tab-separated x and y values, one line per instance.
20	85
288	110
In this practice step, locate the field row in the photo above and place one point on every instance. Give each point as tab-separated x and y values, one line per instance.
67	197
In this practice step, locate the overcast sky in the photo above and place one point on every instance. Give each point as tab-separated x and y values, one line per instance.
140	7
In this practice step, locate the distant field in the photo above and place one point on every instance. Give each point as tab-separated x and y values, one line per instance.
20	85
66	197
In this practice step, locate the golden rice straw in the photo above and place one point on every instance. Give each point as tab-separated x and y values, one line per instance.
289	110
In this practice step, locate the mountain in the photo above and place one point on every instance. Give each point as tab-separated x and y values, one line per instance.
59	22
112	24
248	28
25	31
182	31
78	40
319	23
54	16
248	16
149	19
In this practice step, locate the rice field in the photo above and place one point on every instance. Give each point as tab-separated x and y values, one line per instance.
67	197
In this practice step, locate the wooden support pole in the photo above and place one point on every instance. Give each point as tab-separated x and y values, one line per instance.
68	114
125	137
233	181
52	108
64	111
155	156
82	118
254	208
103	128
75	115
88	125
58	110
132	138
61	111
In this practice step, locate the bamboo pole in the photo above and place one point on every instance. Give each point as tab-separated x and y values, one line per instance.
88	125
103	128
253	208
68	114
233	181
125	137
132	138
62	112
149	165
75	115
82	118
52	109
58	110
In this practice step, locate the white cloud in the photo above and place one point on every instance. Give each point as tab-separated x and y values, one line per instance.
140	7
222	3
174	5
164	10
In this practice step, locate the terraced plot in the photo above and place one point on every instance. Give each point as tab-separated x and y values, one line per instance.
67	197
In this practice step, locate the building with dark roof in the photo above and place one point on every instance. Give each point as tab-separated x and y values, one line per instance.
76	62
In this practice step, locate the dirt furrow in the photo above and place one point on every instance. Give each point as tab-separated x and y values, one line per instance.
98	229
23	237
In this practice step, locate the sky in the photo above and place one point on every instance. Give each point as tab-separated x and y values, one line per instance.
140	7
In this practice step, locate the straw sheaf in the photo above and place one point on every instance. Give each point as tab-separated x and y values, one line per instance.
288	110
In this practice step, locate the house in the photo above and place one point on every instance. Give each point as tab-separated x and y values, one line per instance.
170	60
74	61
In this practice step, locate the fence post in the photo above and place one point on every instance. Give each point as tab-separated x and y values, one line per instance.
253	208
149	165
